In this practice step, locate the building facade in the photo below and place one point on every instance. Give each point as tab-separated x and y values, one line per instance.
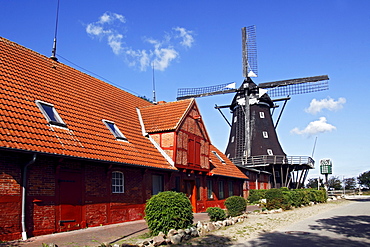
77	152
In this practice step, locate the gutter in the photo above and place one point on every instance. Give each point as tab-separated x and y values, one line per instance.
24	185
156	145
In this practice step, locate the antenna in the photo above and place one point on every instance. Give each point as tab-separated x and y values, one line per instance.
314	146
154	99
54	50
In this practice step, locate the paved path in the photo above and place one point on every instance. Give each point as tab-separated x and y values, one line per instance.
94	236
347	225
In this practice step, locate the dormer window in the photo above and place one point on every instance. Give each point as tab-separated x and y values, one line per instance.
262	114
114	130
50	113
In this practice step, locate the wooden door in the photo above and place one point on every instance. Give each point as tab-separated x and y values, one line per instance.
70	194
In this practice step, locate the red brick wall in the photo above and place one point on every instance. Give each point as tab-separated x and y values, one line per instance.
10	196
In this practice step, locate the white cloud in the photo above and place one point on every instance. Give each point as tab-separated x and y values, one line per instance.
315	127
187	38
161	54
103	29
329	104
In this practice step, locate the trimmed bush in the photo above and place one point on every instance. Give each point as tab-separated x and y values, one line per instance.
235	205
168	210
276	198
216	214
256	195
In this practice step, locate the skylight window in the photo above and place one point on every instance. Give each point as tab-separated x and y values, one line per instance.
50	113
218	156
114	129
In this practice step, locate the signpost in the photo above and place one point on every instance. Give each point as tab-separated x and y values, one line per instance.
325	169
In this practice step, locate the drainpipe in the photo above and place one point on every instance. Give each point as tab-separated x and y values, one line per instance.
24	185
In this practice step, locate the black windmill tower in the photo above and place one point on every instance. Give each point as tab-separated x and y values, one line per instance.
253	142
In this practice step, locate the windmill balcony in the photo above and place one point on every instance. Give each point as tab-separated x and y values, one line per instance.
266	160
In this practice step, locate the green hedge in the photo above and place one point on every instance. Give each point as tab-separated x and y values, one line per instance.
285	198
256	195
235	205
168	210
216	214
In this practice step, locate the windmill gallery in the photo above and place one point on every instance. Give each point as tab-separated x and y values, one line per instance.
73	157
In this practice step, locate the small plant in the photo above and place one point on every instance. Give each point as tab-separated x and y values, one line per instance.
168	210
216	214
235	205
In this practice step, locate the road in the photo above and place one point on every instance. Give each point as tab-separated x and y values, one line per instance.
347	225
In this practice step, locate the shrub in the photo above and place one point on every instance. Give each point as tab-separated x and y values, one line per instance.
256	195
235	205
168	210
216	213
276	198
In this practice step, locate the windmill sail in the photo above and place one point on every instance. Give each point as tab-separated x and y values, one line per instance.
249	52
186	93
253	142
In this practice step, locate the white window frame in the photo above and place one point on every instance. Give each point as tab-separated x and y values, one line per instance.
218	156
232	138
116	132
55	119
269	151
118	183
265	134
262	114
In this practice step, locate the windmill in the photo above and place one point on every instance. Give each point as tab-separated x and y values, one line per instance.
253	141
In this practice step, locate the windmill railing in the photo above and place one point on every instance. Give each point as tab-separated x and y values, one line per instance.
266	160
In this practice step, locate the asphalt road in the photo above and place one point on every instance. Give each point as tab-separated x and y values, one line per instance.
347	225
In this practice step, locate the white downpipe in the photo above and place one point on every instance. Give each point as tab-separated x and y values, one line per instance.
24	185
156	145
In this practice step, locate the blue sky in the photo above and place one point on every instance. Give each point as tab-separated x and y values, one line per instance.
198	43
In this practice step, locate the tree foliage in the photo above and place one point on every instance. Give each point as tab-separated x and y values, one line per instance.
312	183
335	183
364	179
349	183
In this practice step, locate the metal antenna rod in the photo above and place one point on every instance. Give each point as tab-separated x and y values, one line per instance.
154	99
54	51
314	146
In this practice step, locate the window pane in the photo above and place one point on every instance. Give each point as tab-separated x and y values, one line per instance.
114	129
209	189
157	181
231	188
221	190
117	182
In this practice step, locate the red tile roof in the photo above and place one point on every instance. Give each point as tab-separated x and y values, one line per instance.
165	116
224	169
81	101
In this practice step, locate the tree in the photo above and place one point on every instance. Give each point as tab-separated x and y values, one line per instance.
364	179
349	183
334	182
312	183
